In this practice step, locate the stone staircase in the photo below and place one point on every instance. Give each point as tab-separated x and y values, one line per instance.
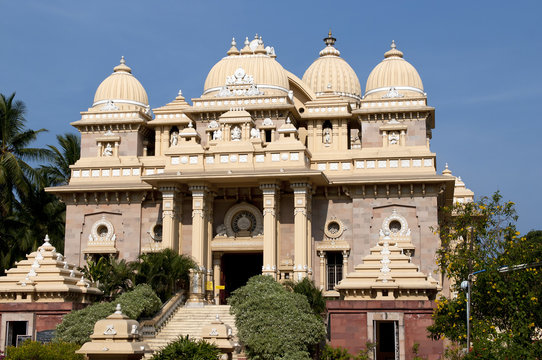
190	321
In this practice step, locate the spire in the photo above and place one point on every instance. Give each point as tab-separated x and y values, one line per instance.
260	49
330	40
393	52
122	67
233	50
246	50
330	49
446	171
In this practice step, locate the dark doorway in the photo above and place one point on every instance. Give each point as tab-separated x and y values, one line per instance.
387	340
14	329
237	269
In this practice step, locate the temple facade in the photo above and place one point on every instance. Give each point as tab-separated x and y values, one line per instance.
265	172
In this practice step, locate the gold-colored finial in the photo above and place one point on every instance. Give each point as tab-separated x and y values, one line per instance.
330	40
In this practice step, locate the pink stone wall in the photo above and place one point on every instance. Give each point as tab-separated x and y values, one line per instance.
372	136
348	325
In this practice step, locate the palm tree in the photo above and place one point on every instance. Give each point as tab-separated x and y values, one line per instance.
40	213
15	173
166	271
69	153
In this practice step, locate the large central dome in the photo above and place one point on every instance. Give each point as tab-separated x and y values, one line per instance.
252	71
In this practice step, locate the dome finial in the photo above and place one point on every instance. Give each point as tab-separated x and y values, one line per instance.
329	40
233	49
246	50
393	52
122	66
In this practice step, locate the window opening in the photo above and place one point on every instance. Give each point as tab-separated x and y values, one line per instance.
334	269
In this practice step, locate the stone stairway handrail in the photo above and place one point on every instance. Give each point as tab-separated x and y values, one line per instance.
149	327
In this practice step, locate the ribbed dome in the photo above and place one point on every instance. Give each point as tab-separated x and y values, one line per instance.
394	77
251	71
121	88
331	74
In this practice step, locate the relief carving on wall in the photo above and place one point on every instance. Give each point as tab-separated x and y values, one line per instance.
102	232
396	228
241	220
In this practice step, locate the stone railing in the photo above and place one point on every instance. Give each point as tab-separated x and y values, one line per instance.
149	327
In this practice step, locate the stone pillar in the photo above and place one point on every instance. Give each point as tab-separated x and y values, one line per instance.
301	191
157	142
270	204
170	217
322	255
216	276
345	263
199	226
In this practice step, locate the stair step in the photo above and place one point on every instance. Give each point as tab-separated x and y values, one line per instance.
190	321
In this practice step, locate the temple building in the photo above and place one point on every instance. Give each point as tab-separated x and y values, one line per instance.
267	172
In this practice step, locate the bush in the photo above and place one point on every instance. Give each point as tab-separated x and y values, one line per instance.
186	349
312	293
35	350
274	323
77	326
331	353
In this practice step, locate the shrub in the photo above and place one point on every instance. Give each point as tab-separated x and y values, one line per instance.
331	353
35	350
77	326
187	349
274	323
312	293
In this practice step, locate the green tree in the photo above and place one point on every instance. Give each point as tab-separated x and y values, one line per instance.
60	160
274	323
39	213
313	294
187	349
18	180
15	151
111	275
166	270
506	312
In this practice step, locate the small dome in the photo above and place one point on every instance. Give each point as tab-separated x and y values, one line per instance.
331	74
394	77
253	67
121	88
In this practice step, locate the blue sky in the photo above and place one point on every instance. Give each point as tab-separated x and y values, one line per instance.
480	62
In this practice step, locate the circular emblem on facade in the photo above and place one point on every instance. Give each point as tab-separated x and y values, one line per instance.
244	221
334	228
242	218
395	224
102	230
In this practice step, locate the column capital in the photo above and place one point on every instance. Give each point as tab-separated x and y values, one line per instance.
269	188
300	186
198	189
169	188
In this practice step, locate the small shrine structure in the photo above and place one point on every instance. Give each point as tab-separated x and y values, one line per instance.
115	338
37	293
